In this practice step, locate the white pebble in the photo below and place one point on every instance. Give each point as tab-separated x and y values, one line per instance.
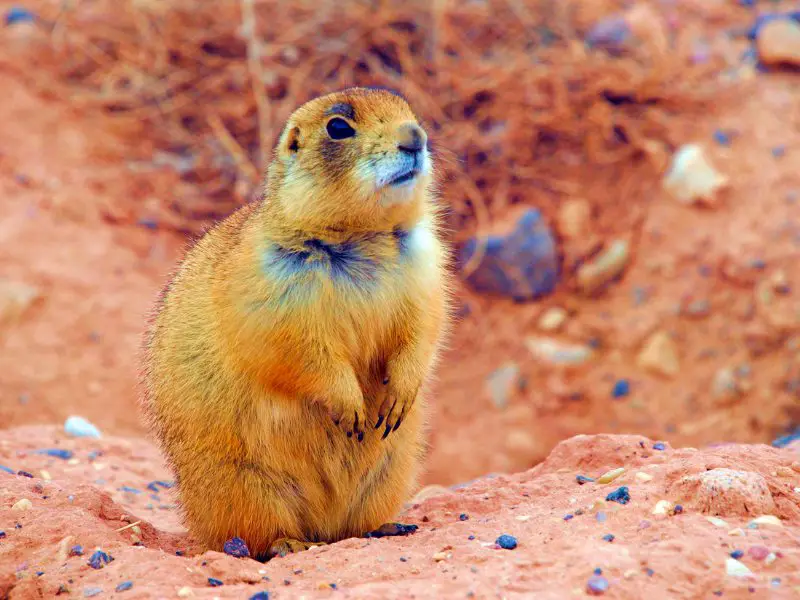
735	568
80	427
23	504
767	522
716	521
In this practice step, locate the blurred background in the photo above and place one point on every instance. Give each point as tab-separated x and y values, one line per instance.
621	182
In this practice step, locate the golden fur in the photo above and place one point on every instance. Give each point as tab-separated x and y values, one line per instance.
296	325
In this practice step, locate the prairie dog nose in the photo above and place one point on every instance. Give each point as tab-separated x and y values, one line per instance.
411	138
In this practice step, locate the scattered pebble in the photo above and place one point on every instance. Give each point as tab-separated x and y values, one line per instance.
80	427
737	554
90	592
236	547
99	559
521	263
76	551
25	474
659	355
260	596
557	352
507	542
185	592
7	470
735	568
609	537
214	582
440	556
663	508
597	273
581	479
659	446
778	42
23	504
124	586
643	477
57	453
569	517
620	495
597	585
463	517
758	552
717	522
622	387
678	509
767	522
15	299
552	319
611	475
501	383
692	178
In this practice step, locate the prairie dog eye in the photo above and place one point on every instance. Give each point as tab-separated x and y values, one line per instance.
339	129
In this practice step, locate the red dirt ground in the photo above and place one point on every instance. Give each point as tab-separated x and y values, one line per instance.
721	281
665	556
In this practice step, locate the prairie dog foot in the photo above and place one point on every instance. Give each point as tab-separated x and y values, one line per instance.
285	546
392	530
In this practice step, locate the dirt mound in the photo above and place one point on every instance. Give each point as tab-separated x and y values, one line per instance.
645	532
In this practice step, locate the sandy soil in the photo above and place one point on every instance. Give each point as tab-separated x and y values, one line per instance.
98	498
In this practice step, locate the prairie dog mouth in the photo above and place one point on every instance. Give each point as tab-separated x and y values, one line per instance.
404	177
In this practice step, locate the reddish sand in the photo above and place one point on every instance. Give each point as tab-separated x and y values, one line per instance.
668	556
721	282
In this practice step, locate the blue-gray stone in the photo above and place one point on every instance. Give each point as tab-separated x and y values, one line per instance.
521	264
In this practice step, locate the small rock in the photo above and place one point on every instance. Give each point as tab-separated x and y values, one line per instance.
609	537
507	542
771	558
642	477
15	299
597	585
501	383
758	552
558	353
440	556
552	319
737	532
659	355
778	42
521	264
214	582
784	472
80	427
717	522
185	592
620	495
99	559
735	568
663	508
124	586
622	387
596	274
767	522
90	592
57	453
726	385
581	479
611	475
610	34
17	14
737	554
236	547
692	178
573	219
23	504
64	547
260	596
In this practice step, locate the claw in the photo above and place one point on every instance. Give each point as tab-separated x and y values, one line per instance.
360	436
380	420
385	381
349	434
387	432
396	425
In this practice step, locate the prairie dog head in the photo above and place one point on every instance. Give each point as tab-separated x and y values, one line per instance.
356	158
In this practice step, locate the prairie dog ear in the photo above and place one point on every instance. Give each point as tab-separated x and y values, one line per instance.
292	141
